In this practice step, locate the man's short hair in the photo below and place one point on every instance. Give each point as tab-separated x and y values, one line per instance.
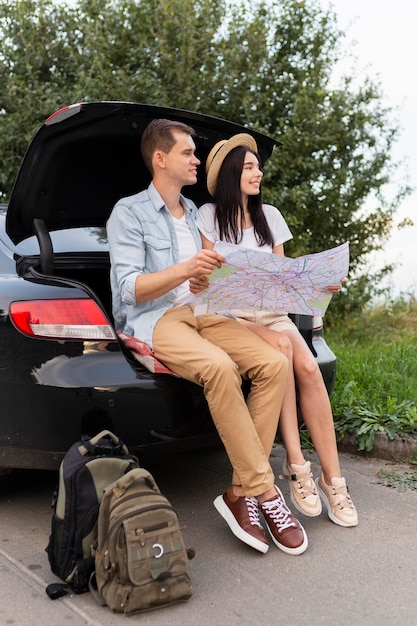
158	136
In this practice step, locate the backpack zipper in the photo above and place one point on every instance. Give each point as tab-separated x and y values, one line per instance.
144	510
133	495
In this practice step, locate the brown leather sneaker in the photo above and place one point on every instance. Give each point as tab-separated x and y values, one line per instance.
242	516
285	530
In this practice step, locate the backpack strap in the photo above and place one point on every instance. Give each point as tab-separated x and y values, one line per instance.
95	445
123	483
57	590
92	585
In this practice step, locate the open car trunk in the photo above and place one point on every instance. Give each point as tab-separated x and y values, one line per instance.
82	160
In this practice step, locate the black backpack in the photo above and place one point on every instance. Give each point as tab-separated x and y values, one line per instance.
88	467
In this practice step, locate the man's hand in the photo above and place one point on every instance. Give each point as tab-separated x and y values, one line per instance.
203	263
155	284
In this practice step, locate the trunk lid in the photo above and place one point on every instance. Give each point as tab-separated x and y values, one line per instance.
86	156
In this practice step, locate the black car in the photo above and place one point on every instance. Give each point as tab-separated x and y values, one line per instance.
63	369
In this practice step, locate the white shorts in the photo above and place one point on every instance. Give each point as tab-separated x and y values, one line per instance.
275	321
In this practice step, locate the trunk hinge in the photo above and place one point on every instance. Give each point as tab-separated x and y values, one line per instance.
45	246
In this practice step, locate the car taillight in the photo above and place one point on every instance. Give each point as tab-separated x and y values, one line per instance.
71	319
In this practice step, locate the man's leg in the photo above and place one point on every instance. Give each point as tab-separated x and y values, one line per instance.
265	394
215	352
187	345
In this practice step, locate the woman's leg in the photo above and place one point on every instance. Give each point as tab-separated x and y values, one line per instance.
304	494
317	413
315	405
288	422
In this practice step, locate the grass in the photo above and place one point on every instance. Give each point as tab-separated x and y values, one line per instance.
376	388
377	372
401	480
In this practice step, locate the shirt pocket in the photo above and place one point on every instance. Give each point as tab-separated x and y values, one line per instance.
158	252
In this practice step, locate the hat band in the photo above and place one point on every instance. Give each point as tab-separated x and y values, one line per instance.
215	154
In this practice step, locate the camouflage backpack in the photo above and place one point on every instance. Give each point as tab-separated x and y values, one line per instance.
140	561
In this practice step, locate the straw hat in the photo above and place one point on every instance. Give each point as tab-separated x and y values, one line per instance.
220	151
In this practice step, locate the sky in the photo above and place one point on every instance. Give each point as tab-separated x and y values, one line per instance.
384	38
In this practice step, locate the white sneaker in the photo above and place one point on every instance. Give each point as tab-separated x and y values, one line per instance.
336	498
303	492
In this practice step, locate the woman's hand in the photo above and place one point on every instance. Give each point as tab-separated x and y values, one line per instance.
197	285
337	288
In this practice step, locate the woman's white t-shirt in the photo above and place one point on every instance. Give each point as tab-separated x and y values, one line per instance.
207	224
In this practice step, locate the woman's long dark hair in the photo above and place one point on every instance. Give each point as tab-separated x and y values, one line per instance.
229	206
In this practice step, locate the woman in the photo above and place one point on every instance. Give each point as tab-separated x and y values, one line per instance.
238	216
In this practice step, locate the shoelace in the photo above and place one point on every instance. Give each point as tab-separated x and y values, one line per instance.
305	483
252	505
280	514
341	497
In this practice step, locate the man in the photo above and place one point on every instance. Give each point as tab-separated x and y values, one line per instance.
156	264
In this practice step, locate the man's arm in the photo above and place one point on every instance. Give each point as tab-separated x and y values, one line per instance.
128	257
151	286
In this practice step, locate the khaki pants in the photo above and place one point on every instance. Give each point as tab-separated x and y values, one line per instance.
216	353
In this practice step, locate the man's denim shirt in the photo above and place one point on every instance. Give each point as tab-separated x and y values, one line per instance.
142	240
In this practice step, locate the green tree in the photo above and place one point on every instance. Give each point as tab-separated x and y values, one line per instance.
268	66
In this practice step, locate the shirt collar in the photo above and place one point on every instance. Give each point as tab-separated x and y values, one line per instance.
158	202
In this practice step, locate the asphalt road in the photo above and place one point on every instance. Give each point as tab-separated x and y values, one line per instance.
357	576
